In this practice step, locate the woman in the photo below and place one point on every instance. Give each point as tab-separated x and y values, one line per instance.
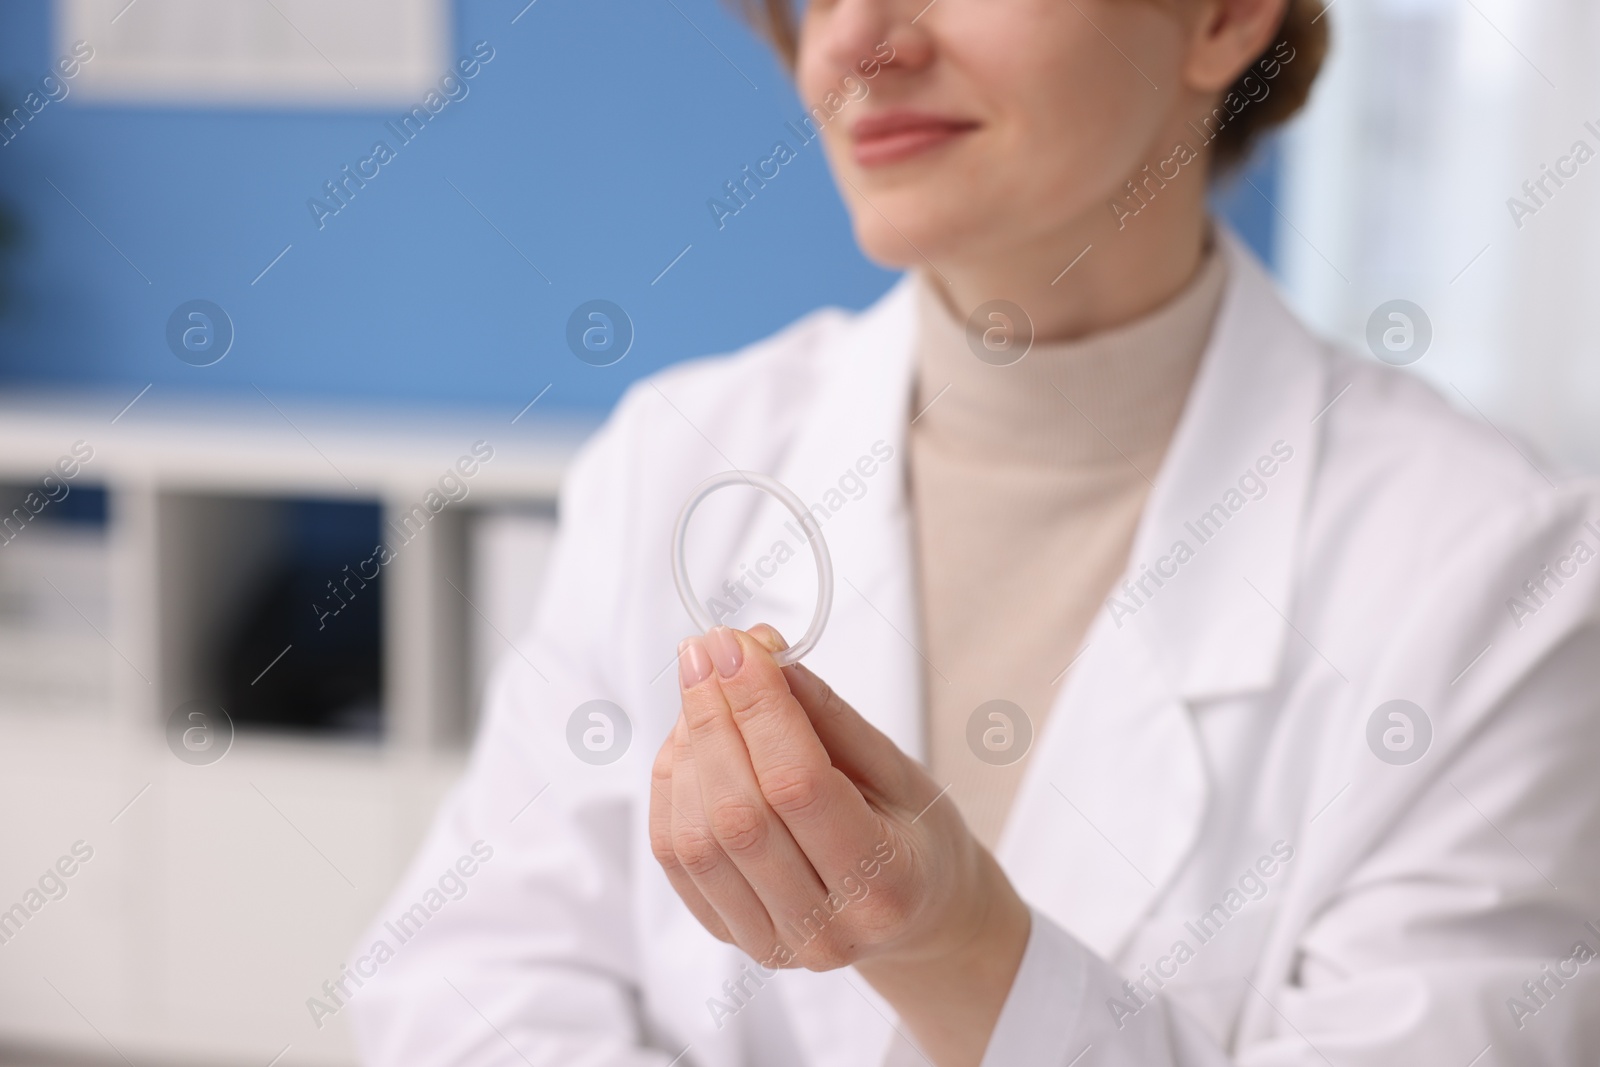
1199	694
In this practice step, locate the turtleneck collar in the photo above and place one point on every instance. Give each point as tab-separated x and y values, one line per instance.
1110	398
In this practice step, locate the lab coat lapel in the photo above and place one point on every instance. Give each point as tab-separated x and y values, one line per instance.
860	409
1233	490
1113	800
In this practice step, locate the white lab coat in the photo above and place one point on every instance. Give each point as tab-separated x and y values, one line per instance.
1210	726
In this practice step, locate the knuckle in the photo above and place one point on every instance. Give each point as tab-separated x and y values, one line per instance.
697	854
781	957
820	696
699	713
820	946
756	703
826	953
661	769
792	791
887	907
661	848
738	825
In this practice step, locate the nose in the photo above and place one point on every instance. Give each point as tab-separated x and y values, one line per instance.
889	32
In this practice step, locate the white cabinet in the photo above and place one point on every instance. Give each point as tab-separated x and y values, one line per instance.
219	897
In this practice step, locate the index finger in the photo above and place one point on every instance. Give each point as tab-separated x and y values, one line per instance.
826	814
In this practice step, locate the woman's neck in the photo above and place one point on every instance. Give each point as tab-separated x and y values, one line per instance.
1101	271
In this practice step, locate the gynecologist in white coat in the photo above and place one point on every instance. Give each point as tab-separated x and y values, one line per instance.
1321	792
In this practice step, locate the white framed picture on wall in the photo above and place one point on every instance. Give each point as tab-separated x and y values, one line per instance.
339	53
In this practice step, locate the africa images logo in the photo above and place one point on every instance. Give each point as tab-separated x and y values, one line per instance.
1399	732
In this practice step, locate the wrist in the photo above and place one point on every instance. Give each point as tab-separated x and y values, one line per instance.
992	949
951	995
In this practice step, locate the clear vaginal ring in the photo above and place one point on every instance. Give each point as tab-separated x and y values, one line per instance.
819	550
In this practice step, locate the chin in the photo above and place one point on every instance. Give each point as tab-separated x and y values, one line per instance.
922	232
881	244
921	227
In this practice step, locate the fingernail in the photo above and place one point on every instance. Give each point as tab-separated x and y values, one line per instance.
725	651
694	666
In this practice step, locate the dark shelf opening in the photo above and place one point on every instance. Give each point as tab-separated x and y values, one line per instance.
304	651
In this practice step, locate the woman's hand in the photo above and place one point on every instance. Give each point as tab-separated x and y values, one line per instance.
794	829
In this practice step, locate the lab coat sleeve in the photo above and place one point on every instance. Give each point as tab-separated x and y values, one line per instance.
1056	1015
1466	931
1458	935
533	963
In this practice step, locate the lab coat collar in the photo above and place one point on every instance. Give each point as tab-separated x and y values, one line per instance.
1216	624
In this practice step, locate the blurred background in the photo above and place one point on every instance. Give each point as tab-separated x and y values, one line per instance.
241	345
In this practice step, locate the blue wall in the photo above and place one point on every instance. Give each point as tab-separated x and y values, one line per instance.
592	141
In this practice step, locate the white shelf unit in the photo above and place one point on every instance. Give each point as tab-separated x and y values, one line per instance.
221	896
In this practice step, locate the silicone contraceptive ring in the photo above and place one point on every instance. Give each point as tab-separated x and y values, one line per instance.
819	551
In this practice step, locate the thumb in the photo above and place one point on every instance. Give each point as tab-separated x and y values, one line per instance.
768	638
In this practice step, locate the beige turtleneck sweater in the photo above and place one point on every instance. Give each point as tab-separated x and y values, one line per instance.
1027	483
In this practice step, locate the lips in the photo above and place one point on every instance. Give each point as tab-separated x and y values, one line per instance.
893	136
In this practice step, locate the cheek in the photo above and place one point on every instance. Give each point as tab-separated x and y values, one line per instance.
1074	115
